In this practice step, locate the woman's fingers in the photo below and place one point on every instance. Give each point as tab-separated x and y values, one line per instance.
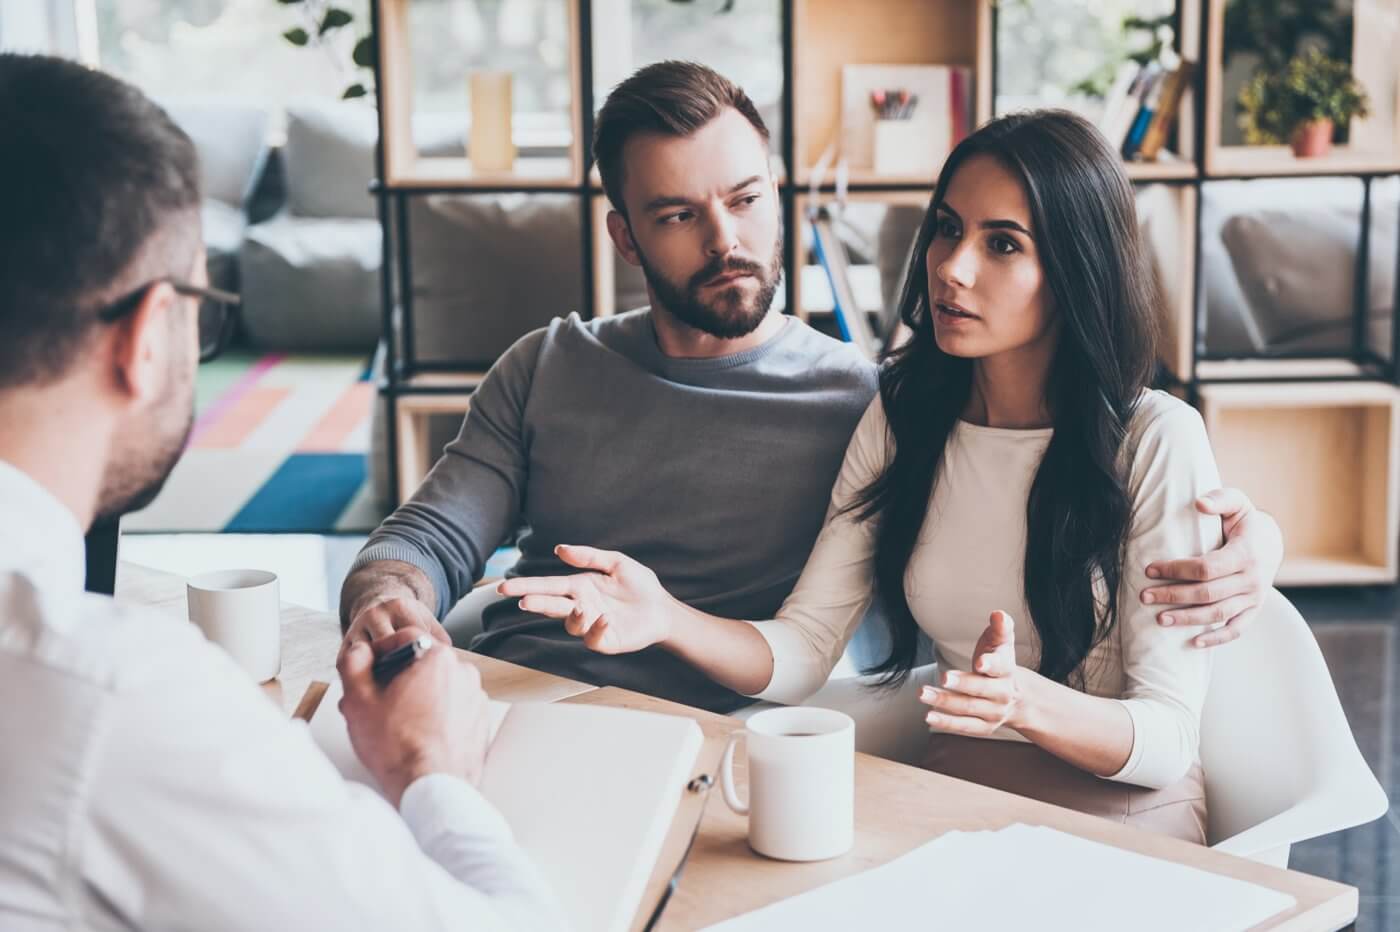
590	558
550	606
973	684
952	703
599	637
960	725
539	585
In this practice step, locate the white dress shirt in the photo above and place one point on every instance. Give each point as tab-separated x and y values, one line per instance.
145	783
969	562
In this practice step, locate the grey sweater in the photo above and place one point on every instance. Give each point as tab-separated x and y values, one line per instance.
716	473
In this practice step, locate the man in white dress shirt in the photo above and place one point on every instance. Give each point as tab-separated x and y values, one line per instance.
144	781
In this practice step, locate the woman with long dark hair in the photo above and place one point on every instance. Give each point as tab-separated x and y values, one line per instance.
1014	465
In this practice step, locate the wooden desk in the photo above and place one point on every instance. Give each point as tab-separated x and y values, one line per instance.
310	640
899	808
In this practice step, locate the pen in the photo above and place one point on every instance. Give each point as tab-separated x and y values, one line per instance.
391	664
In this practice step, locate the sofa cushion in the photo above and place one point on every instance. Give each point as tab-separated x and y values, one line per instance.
329	156
311	284
489	268
232	145
223	227
329	160
1297	268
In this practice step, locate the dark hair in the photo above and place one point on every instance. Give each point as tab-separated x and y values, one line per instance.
95	173
672	98
1079	512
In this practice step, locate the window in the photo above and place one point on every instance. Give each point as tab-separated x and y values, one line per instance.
223	48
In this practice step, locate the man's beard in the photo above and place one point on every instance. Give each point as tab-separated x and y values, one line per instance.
727	315
131	485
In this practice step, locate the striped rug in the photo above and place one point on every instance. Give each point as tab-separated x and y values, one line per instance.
279	445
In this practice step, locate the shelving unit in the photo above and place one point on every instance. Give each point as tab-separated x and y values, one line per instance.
1320	430
1322	459
1313	439
1374	146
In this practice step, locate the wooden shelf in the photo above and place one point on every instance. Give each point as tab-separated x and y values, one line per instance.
412	416
1275	161
1226	370
828	34
1332	571
458	173
1168	167
1375	141
430	384
1324	460
404	168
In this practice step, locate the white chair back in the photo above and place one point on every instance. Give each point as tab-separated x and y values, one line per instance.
1281	764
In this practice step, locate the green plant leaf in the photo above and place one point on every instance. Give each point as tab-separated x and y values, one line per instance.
296	36
364	52
353	91
335	18
1309	87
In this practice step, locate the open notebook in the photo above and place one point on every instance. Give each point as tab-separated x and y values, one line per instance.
590	793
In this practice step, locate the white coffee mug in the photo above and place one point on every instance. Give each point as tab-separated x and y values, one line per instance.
801	782
241	611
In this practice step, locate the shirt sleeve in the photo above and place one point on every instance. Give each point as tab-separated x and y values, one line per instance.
473	496
1164	678
207	809
823	611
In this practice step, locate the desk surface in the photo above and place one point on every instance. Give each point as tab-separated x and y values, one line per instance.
897	807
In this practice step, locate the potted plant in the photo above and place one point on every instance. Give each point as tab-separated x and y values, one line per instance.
1301	104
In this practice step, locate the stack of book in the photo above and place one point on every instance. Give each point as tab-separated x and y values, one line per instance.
1141	106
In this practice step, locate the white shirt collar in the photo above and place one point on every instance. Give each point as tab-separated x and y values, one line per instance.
40	538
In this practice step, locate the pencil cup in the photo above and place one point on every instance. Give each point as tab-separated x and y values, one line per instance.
241	611
903	147
802	767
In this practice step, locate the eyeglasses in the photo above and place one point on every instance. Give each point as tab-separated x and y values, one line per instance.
216	312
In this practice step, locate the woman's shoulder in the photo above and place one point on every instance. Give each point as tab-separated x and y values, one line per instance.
1166	439
1161	416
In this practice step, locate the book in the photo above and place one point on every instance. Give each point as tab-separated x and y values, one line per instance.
850	316
1174	87
961	105
1151	94
1127	115
1116	102
589	792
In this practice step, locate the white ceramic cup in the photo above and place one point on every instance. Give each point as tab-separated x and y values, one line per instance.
801	782
241	611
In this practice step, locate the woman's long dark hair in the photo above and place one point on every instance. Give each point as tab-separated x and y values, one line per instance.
1079	511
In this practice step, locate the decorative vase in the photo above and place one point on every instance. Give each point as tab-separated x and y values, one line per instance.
489	145
1312	139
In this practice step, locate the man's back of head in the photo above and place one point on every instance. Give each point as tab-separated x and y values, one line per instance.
104	192
103	206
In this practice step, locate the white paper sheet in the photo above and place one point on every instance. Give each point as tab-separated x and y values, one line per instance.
1023	877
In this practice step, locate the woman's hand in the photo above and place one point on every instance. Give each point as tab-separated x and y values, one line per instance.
980	701
618	608
1225	585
